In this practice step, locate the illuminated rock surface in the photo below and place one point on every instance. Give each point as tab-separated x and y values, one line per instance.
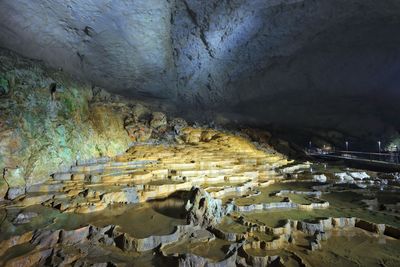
207	198
91	178
301	59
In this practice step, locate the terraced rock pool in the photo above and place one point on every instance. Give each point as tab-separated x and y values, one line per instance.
244	207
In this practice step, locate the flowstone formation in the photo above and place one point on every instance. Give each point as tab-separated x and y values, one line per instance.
145	172
205	197
49	121
91	179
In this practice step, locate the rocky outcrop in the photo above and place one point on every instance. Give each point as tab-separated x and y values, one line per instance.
203	209
14	177
138	132
158	121
50	122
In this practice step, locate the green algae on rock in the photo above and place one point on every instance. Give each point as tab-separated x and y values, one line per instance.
43	131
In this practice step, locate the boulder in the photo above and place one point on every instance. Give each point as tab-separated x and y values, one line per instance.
139	132
139	112
177	124
203	209
158	121
191	135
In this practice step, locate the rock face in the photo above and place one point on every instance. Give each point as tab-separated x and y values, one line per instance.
138	132
233	56
204	210
15	181
48	123
158	121
92	31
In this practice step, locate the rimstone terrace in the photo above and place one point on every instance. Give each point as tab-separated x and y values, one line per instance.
222	163
199	133
210	198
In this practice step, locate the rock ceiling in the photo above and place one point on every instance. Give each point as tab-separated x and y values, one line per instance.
298	62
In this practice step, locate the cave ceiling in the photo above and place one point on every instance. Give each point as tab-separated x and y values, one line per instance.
328	63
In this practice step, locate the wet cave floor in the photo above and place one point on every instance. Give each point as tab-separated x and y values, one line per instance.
138	210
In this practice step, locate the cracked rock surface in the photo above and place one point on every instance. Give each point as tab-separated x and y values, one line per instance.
254	58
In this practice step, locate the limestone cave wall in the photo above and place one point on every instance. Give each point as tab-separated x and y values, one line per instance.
41	131
330	64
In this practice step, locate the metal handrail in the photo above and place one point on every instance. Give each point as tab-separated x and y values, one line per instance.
393	157
367	153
